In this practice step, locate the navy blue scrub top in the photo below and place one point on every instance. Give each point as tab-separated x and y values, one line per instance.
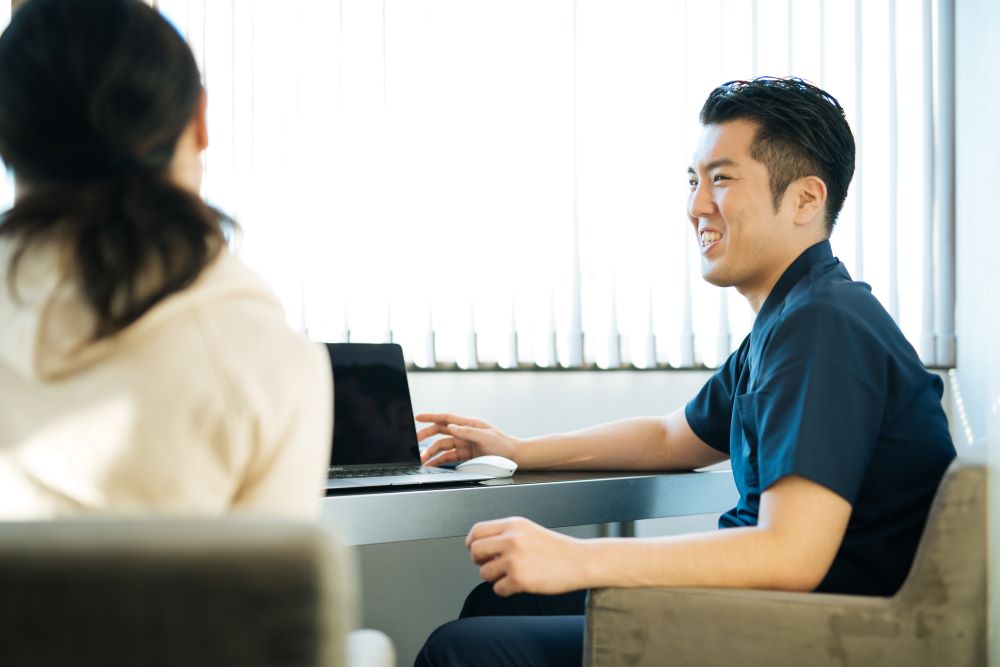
827	387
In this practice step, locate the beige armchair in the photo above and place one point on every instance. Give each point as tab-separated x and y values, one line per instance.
938	617
172	592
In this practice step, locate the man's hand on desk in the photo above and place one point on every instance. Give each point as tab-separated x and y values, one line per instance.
468	439
519	556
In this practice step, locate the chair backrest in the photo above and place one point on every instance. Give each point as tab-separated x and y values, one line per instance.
949	569
173	592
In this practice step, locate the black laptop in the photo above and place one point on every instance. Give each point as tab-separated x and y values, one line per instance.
374	435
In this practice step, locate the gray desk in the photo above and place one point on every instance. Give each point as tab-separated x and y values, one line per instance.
553	499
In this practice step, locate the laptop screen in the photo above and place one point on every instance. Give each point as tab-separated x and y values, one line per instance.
372	411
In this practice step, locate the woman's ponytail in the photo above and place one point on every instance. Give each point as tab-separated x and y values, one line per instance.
133	241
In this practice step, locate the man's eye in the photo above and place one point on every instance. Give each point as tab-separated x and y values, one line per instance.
719	177
693	183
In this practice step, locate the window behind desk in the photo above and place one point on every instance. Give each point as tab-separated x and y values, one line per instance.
450	166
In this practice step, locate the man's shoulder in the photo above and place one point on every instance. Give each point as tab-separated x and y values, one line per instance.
827	324
833	306
837	321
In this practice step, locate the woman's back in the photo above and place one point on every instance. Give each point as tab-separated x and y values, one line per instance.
207	404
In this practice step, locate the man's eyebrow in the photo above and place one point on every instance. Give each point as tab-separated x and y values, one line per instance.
715	164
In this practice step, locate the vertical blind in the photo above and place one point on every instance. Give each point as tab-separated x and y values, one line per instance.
6	179
504	182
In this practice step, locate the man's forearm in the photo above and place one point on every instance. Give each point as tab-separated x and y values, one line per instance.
799	531
800	528
641	443
630	444
732	558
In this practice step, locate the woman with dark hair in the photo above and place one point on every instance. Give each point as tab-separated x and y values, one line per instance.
142	367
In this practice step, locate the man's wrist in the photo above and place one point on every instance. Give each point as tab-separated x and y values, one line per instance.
540	451
591	559
519	455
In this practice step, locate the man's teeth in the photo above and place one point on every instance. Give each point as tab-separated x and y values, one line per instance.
708	238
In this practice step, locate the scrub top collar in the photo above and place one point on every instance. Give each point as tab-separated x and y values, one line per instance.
816	254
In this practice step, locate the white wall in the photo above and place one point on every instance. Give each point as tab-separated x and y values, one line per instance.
978	240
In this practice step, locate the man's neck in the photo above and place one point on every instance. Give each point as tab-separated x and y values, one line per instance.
756	293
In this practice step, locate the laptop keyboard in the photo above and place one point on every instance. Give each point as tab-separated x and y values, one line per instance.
384	472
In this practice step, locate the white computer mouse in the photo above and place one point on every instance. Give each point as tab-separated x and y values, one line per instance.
494	466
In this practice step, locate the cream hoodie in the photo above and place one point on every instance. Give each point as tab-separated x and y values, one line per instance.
209	404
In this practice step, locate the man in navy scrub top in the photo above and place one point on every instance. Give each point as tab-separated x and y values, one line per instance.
834	428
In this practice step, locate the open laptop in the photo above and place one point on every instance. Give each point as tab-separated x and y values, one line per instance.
374	435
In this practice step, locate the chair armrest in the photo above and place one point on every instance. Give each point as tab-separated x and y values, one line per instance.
938	617
708	626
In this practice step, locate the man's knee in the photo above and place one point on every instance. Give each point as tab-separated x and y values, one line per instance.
444	646
481	601
529	641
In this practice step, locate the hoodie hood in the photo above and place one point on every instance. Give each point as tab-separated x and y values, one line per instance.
46	326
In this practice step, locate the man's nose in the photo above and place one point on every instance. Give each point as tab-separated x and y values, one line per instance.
701	204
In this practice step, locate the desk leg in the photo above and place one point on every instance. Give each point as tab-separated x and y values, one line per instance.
616	529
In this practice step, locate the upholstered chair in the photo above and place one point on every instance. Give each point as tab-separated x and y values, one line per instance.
938	617
185	593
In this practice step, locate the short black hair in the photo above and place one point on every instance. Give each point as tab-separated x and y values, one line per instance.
802	131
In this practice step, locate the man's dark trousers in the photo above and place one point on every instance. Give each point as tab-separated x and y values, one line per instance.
524	630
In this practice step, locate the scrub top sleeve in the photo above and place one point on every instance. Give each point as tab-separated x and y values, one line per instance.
710	412
819	402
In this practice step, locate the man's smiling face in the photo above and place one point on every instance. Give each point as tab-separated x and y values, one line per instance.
744	242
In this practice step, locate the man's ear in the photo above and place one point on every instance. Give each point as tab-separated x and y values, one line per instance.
200	122
810	200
